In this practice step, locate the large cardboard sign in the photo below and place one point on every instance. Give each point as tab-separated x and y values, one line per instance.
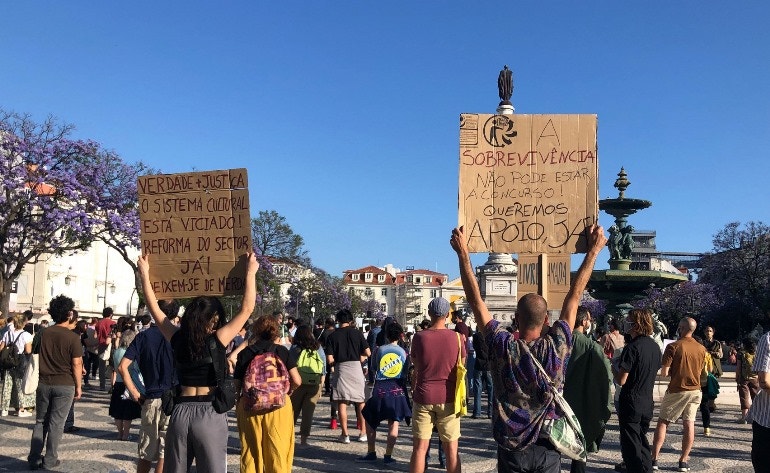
196	227
528	183
547	275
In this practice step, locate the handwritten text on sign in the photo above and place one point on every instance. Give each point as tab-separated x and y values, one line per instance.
547	275
195	227
528	183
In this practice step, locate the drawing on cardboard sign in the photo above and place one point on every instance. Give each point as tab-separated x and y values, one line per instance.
196	227
528	183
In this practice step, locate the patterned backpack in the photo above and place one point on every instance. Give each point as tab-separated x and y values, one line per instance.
265	383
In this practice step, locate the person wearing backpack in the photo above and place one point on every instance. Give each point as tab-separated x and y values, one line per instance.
19	347
198	426
265	374
311	365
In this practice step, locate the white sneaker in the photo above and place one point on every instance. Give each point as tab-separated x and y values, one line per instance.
362	438
4	413
344	439
24	414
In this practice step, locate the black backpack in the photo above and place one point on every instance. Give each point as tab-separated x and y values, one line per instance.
10	358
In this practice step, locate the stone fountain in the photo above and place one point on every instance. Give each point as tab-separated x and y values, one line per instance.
620	285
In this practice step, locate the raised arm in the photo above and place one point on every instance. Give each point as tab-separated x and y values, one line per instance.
226	333
596	241
166	327
470	285
133	391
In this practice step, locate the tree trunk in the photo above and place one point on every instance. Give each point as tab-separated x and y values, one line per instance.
5	295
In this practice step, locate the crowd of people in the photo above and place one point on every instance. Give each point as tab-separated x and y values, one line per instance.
180	379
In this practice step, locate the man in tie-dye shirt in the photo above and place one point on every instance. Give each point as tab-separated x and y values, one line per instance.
522	398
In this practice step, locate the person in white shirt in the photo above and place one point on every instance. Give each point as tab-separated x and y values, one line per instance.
12	378
759	414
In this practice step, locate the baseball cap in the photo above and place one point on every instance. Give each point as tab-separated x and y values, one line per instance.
438	306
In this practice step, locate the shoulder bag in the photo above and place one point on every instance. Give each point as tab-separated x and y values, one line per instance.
224	393
31	375
564	433
461	401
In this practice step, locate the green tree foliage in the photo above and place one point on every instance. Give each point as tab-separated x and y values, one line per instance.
274	237
739	265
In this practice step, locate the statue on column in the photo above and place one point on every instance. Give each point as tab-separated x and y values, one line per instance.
505	85
614	242
627	242
659	330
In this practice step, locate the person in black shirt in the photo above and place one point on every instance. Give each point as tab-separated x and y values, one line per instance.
635	372
346	349
482	376
196	430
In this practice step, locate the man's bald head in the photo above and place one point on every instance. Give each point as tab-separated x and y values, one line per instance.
687	326
531	312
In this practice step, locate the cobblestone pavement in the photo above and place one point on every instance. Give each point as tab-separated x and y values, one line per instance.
94	449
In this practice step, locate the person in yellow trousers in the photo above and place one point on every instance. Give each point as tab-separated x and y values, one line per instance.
267	440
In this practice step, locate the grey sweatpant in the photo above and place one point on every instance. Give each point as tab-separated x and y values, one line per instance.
197	432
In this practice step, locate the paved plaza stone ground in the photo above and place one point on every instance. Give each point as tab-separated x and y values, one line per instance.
94	449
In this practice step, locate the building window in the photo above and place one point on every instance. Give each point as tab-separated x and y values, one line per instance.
434	293
380	278
417	280
384	308
368	277
355	277
428	279
368	292
384	291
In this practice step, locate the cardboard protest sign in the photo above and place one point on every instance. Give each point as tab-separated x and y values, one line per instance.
196	227
547	275
528	183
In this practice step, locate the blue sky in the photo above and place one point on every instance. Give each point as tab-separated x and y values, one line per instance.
346	113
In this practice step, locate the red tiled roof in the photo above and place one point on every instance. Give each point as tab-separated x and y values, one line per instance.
373	270
42	188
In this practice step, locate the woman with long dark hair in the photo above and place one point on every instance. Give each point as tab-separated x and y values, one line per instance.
196	430
308	356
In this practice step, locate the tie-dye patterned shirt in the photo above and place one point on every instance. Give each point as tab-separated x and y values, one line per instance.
522	398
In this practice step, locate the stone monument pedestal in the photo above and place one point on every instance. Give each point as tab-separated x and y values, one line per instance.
498	281
623	264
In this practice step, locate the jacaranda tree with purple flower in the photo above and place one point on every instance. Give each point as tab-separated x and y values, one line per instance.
58	195
40	195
